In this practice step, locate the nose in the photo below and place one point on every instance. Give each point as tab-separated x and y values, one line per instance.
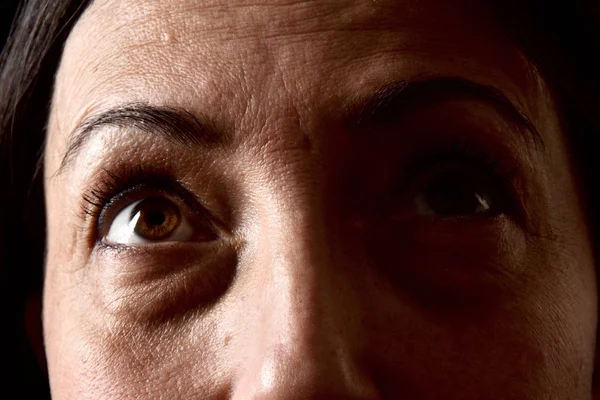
305	342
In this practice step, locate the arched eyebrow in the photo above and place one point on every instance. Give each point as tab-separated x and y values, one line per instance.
387	103
181	126
175	124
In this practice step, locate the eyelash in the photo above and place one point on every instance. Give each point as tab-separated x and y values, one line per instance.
502	168
114	187
467	151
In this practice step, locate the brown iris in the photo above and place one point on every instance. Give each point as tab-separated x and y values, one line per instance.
456	193
156	218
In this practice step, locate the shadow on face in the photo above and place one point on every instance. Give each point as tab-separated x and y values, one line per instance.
310	200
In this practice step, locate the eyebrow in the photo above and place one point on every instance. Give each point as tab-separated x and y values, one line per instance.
175	124
180	126
387	103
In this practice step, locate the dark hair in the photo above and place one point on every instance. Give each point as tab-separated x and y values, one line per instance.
27	66
560	37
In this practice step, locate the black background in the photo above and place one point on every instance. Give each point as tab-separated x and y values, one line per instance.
7	11
22	376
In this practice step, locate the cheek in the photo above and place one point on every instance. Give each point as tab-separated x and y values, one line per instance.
530	344
513	352
94	354
486	309
452	266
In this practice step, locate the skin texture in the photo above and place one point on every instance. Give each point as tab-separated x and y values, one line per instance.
321	284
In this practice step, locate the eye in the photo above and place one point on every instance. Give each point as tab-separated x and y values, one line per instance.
155	219
460	191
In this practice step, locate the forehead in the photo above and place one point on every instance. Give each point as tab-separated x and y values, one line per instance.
231	57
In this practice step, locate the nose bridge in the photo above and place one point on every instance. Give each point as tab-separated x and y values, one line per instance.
298	297
303	346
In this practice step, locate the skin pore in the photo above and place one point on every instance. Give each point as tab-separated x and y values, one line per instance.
331	199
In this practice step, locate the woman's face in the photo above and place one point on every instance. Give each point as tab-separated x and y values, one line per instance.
310	199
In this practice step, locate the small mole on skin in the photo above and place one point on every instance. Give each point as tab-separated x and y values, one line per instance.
227	340
166	37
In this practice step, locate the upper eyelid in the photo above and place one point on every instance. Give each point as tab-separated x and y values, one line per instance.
491	158
136	182
127	196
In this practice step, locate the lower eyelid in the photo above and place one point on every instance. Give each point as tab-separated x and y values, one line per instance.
163	280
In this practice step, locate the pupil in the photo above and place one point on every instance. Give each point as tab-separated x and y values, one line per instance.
451	196
155	218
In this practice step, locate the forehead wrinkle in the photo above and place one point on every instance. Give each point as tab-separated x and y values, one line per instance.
197	31
128	53
178	53
247	18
